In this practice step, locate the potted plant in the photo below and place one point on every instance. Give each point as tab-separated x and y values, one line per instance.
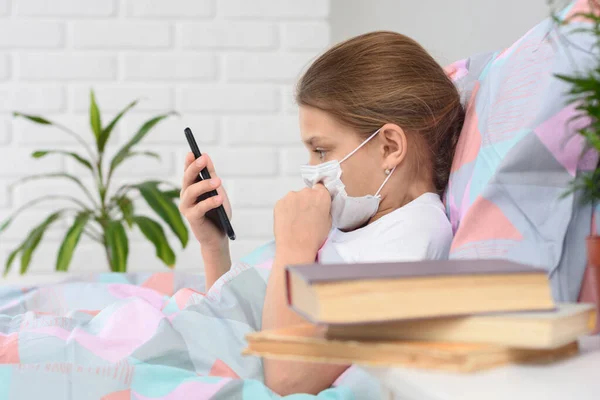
584	93
107	213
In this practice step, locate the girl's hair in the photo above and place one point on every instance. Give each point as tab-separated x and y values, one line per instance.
386	77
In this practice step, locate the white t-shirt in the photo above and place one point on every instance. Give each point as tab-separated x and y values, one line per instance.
419	230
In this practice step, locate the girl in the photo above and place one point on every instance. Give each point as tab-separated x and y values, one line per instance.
380	120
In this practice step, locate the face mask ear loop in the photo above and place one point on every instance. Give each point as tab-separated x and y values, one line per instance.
361	145
385	181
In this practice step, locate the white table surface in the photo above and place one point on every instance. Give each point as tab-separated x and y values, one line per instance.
576	378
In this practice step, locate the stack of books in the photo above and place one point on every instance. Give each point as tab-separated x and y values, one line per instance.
458	315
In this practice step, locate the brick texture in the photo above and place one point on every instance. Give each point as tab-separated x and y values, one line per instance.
27	133
274	8
128	35
291	160
4	67
171	8
169	67
114	97
241	131
229	98
65	8
32	98
228	35
305	35
4	196
228	67
65	67
285	67
170	131
22	164
4	7
17	34
5	129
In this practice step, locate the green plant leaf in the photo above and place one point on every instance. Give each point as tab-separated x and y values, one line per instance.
166	209
95	120
33	118
65	252
124	189
103	139
141	133
118	245
126	206
172	194
33	239
8	221
154	233
53	175
81	160
11	259
143	153
64	129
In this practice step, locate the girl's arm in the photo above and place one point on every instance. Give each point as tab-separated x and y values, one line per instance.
214	245
289	377
302	222
216	263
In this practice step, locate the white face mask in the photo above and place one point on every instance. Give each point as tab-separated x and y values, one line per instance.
347	212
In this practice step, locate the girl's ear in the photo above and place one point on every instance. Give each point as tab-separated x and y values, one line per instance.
393	145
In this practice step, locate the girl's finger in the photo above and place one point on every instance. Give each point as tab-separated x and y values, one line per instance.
191	174
190	195
189	158
210	166
200	209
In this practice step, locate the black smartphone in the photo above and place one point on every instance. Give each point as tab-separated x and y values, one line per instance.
217	216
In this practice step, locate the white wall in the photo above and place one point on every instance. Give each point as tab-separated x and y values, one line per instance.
449	29
227	66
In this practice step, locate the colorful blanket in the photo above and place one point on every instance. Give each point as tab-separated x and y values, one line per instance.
143	336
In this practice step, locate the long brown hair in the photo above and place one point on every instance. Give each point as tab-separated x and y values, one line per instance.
386	77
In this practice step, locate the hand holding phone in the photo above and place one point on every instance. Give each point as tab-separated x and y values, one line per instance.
217	215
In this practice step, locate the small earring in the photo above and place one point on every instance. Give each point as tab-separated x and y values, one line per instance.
387	171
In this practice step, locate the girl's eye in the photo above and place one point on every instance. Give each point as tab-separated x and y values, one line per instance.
322	154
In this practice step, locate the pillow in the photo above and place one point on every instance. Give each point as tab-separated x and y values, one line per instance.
517	153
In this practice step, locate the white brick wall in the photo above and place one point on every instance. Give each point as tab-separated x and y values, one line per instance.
61	66
121	35
227	66
4	67
256	130
228	35
169	67
280	67
19	34
3	7
64	8
226	97
38	98
171	8
305	35
4	131
305	9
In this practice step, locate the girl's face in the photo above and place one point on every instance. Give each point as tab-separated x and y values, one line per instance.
326	139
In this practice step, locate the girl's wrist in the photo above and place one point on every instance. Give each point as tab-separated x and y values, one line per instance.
217	256
291	255
217	248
